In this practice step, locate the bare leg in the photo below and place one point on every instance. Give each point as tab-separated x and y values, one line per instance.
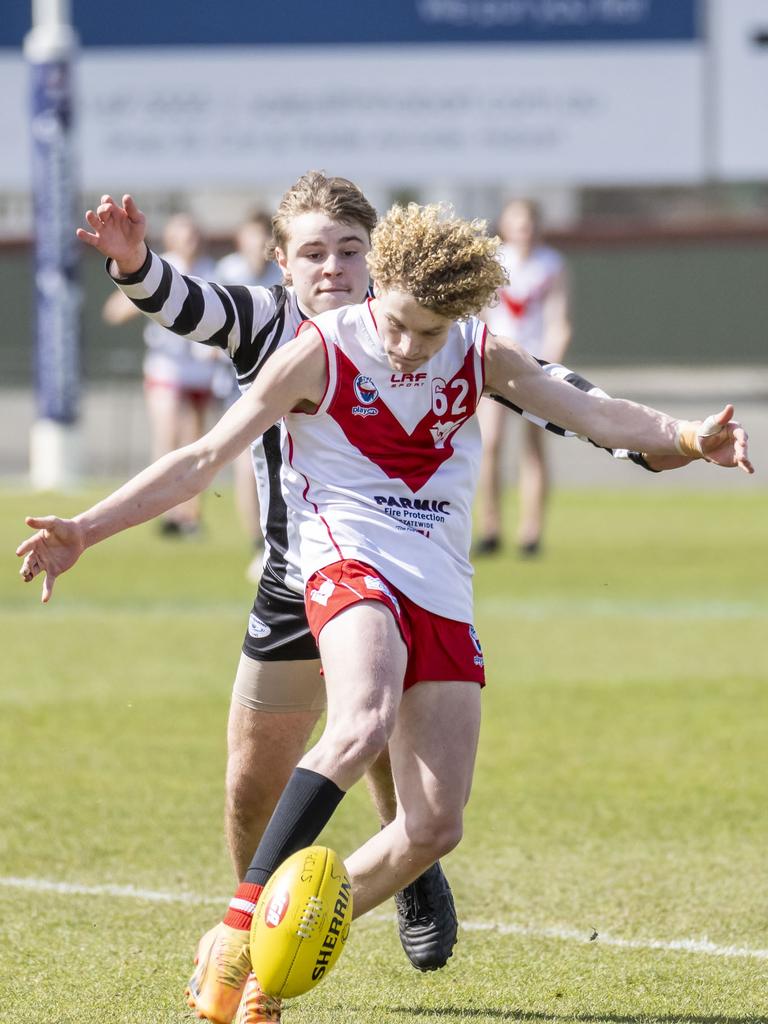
493	423
433	754
533	487
263	749
164	411
167	413
364	660
381	788
246	497
191	426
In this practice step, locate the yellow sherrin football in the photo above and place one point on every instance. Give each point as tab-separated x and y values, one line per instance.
301	922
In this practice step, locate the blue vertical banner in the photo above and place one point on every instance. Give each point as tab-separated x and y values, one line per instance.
57	288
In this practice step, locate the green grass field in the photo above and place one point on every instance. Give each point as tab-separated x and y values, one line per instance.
620	785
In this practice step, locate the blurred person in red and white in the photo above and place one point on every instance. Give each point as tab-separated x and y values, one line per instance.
534	309
179	375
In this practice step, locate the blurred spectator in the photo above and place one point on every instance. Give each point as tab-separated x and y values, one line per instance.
178	374
249	264
533	309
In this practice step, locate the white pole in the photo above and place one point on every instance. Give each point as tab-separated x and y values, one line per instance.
52	36
55	445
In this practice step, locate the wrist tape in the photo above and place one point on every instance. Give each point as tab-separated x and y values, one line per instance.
688	436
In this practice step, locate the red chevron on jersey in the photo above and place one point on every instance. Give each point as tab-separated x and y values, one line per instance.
381	438
385	476
515	306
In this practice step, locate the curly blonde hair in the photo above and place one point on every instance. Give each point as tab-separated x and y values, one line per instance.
314	192
449	265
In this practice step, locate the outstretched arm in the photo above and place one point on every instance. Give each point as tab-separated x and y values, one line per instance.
608	422
577	381
654	463
294	377
243	320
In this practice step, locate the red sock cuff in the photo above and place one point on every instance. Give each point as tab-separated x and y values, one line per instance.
242	905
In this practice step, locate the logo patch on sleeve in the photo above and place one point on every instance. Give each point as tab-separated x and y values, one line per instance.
256	628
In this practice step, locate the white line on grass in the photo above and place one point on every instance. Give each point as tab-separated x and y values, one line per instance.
604	939
527	609
126	891
700	946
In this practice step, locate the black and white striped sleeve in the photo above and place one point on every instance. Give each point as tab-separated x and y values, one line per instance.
577	381
231	317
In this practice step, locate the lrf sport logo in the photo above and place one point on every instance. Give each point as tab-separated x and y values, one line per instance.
366	393
407	380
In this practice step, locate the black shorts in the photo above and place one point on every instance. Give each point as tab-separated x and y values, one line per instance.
277	626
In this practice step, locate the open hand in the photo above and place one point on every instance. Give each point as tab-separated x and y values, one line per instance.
55	547
118	233
724	441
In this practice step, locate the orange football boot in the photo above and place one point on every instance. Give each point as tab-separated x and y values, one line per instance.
222	966
256	1007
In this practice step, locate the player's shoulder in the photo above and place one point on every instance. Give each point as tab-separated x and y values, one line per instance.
471	329
269	304
333	320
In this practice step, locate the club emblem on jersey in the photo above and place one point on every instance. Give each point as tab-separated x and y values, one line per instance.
257	629
442	431
365	389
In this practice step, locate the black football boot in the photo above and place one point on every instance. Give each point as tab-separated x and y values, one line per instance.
426	919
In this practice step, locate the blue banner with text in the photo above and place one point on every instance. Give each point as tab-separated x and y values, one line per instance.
350	22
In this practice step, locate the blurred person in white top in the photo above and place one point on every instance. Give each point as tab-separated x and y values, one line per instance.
534	309
179	376
249	264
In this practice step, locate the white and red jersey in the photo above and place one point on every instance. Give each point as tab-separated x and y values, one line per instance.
519	312
172	360
384	471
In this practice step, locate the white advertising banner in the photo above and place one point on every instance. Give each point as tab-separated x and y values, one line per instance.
217	116
740	50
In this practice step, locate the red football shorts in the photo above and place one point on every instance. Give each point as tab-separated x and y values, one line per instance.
438	648
199	398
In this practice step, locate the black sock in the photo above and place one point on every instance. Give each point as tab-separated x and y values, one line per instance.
304	809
